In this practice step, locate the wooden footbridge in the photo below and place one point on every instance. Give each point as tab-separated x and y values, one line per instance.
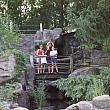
65	63
64	69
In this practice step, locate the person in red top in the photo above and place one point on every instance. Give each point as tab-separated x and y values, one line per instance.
40	53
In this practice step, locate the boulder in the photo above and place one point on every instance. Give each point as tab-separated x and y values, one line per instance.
57	32
20	108
85	71
98	103
23	99
47	34
84	105
7	68
101	102
39	35
72	107
99	58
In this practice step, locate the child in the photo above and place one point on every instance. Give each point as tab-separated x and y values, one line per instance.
40	53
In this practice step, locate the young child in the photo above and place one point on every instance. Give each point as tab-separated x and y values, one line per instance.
40	53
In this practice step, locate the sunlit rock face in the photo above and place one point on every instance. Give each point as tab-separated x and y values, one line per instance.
48	34
98	103
66	42
27	44
7	68
85	71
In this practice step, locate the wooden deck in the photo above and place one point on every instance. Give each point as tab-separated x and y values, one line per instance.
51	76
47	78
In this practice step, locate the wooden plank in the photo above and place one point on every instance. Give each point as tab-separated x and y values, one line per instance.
71	63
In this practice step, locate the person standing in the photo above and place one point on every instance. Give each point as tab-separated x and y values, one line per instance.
53	55
48	58
40	53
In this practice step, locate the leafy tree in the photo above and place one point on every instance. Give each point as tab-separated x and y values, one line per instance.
50	12
8	38
90	19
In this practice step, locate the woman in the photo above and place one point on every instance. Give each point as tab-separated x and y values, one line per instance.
48	58
53	55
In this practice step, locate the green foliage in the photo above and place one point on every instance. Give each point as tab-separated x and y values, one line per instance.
39	95
8	38
21	61
1	106
89	20
6	92
50	13
86	87
106	45
9	42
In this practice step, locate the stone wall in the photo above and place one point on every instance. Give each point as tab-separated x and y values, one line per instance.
98	103
95	57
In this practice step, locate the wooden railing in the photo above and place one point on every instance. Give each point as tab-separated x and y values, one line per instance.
63	64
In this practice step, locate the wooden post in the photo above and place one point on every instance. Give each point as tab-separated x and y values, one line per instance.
71	63
41	28
71	60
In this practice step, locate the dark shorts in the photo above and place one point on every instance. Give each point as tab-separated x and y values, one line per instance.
48	60
54	59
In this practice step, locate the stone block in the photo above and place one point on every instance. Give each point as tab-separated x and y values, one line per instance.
101	102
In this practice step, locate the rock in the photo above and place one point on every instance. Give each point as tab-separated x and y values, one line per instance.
23	99
47	34
57	32
102	102
84	105
39	35
99	58
65	43
20	108
85	71
11	65
72	107
7	68
6	105
98	103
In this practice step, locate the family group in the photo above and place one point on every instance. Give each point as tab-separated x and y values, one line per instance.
48	57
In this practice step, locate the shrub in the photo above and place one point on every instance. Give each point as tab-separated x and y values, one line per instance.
86	87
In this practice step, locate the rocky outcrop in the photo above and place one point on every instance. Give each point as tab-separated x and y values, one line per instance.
27	43
7	68
48	34
67	43
100	58
85	71
98	103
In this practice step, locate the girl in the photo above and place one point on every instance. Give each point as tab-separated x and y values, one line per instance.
40	53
